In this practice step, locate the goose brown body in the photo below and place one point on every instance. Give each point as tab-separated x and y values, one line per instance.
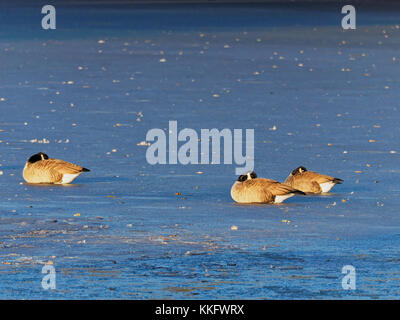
45	170
311	182
261	190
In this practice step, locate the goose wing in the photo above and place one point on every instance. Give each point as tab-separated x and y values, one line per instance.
273	187
62	167
320	178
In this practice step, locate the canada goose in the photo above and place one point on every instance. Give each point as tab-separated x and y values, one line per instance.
250	189
311	182
40	169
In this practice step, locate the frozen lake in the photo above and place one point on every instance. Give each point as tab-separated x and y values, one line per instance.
89	91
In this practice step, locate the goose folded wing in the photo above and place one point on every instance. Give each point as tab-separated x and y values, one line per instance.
280	189
321	178
275	188
64	167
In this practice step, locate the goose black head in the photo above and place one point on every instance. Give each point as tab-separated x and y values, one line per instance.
247	176
251	175
298	170
37	157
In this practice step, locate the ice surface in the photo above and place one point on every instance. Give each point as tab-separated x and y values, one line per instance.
89	91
